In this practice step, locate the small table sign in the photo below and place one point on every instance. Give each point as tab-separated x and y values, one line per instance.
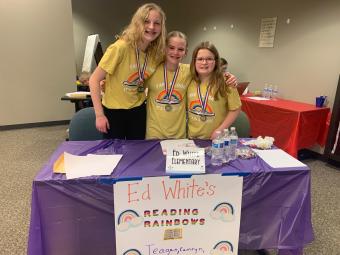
185	160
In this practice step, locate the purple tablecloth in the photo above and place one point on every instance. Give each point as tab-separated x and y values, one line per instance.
71	217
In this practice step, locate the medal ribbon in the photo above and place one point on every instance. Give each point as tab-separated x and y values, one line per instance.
205	101
141	72
172	84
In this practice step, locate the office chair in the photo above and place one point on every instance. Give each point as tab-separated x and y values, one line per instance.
83	126
242	125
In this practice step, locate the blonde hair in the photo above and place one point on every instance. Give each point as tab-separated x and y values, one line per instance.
179	35
176	34
217	83
133	33
84	77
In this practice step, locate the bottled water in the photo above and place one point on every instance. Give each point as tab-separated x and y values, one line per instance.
226	140
217	150
270	92
233	143
265	91
275	92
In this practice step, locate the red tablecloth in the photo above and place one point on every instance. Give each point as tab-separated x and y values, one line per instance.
294	125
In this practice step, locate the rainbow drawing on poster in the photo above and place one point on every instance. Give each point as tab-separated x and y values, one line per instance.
195	107
128	219
223	211
222	248
132	252
176	97
133	80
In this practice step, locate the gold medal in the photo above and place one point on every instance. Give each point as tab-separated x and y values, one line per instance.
203	101
168	107
169	89
141	71
203	118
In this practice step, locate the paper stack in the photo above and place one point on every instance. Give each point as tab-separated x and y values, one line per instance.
81	166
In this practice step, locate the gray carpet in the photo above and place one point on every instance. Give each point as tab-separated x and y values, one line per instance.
24	151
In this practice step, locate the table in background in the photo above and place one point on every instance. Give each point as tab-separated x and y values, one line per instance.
77	216
294	125
79	102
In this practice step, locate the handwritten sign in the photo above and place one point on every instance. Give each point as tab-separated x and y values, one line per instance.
185	160
267	34
178	216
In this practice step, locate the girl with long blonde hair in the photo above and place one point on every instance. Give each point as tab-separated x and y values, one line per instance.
126	64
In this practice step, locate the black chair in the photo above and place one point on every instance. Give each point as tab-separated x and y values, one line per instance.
83	126
242	125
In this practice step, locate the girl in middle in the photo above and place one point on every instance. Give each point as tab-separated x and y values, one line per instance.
167	92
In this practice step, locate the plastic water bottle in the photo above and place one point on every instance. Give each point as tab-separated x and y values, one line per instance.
265	91
275	92
270	92
217	150
226	140
233	143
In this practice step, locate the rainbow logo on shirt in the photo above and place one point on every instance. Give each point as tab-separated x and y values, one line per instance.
222	248
176	97
223	212
133	80
195	107
128	219
132	252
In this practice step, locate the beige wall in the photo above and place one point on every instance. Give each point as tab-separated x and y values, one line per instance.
305	60
37	60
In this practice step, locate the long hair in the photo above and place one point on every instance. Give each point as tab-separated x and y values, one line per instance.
133	33
217	83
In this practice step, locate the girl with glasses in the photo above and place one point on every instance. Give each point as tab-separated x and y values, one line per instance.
212	106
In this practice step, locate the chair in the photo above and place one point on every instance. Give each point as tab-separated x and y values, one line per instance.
83	126
242	125
242	88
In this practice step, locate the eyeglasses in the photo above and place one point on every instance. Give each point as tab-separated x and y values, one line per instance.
208	60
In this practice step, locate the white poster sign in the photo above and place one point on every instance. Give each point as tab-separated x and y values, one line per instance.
267	33
178	216
91	46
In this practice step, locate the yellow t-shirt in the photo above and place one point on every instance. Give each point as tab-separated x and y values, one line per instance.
162	122
119	62
216	110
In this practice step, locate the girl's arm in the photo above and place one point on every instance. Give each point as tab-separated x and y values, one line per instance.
228	120
102	124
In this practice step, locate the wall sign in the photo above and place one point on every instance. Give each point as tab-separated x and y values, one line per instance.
267	33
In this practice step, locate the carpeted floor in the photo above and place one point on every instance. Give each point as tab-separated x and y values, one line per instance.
24	151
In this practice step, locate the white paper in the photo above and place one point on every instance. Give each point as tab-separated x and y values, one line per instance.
278	158
104	164
81	166
78	93
185	160
176	143
267	33
259	98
